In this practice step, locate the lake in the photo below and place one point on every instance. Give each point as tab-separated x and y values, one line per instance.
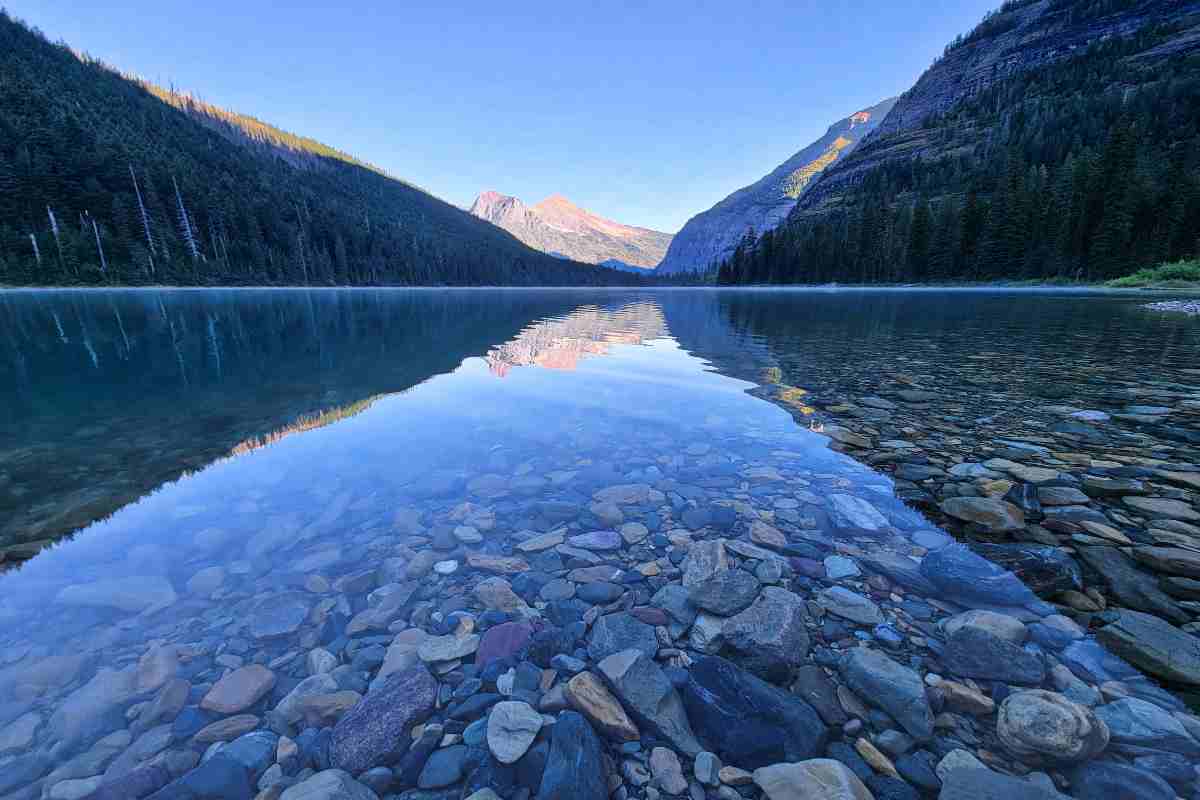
258	536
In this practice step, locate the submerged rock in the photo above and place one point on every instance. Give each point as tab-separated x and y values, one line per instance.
747	721
575	766
1045	570
770	637
132	595
331	784
376	731
892	687
960	573
815	779
645	690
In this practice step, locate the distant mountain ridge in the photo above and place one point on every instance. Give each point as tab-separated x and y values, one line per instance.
711	236
559	227
1058	139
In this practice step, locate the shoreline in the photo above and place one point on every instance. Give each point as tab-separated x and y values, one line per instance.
1011	286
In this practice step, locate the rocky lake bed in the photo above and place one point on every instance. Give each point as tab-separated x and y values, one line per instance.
974	578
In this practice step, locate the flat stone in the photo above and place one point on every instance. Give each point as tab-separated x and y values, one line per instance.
132	595
1132	587
330	784
504	565
892	687
1163	507
376	731
1002	626
767	536
644	689
84	710
1061	496
984	784
1155	646
854	512
634	532
995	516
279	615
747	721
378	616
965	700
963	574
976	652
623	494
1109	780
814	779
1171	560
447	648
597	540
542	542
227	729
511	728
239	690
846	436
839	567
849	605
607	513
1133	721
1035	724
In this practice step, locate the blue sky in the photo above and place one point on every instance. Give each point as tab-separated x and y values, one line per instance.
646	112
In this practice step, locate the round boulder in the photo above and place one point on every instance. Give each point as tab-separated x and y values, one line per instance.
1042	724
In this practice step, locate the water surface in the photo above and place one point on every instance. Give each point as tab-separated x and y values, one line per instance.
229	457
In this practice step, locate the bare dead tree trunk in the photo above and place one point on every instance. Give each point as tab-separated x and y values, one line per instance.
185	223
145	219
57	239
99	247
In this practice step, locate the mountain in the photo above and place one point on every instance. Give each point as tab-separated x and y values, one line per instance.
711	236
558	226
1059	139
107	179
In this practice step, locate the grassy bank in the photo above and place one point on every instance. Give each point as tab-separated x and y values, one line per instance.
1179	275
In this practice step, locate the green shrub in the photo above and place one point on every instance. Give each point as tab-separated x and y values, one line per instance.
1180	273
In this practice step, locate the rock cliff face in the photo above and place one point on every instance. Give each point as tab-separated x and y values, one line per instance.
559	227
1024	36
711	236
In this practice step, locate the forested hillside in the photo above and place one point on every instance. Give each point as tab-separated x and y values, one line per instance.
105	180
1060	139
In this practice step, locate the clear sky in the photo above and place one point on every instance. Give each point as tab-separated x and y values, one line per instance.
645	112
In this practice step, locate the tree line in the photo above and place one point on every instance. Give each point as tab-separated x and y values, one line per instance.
108	180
